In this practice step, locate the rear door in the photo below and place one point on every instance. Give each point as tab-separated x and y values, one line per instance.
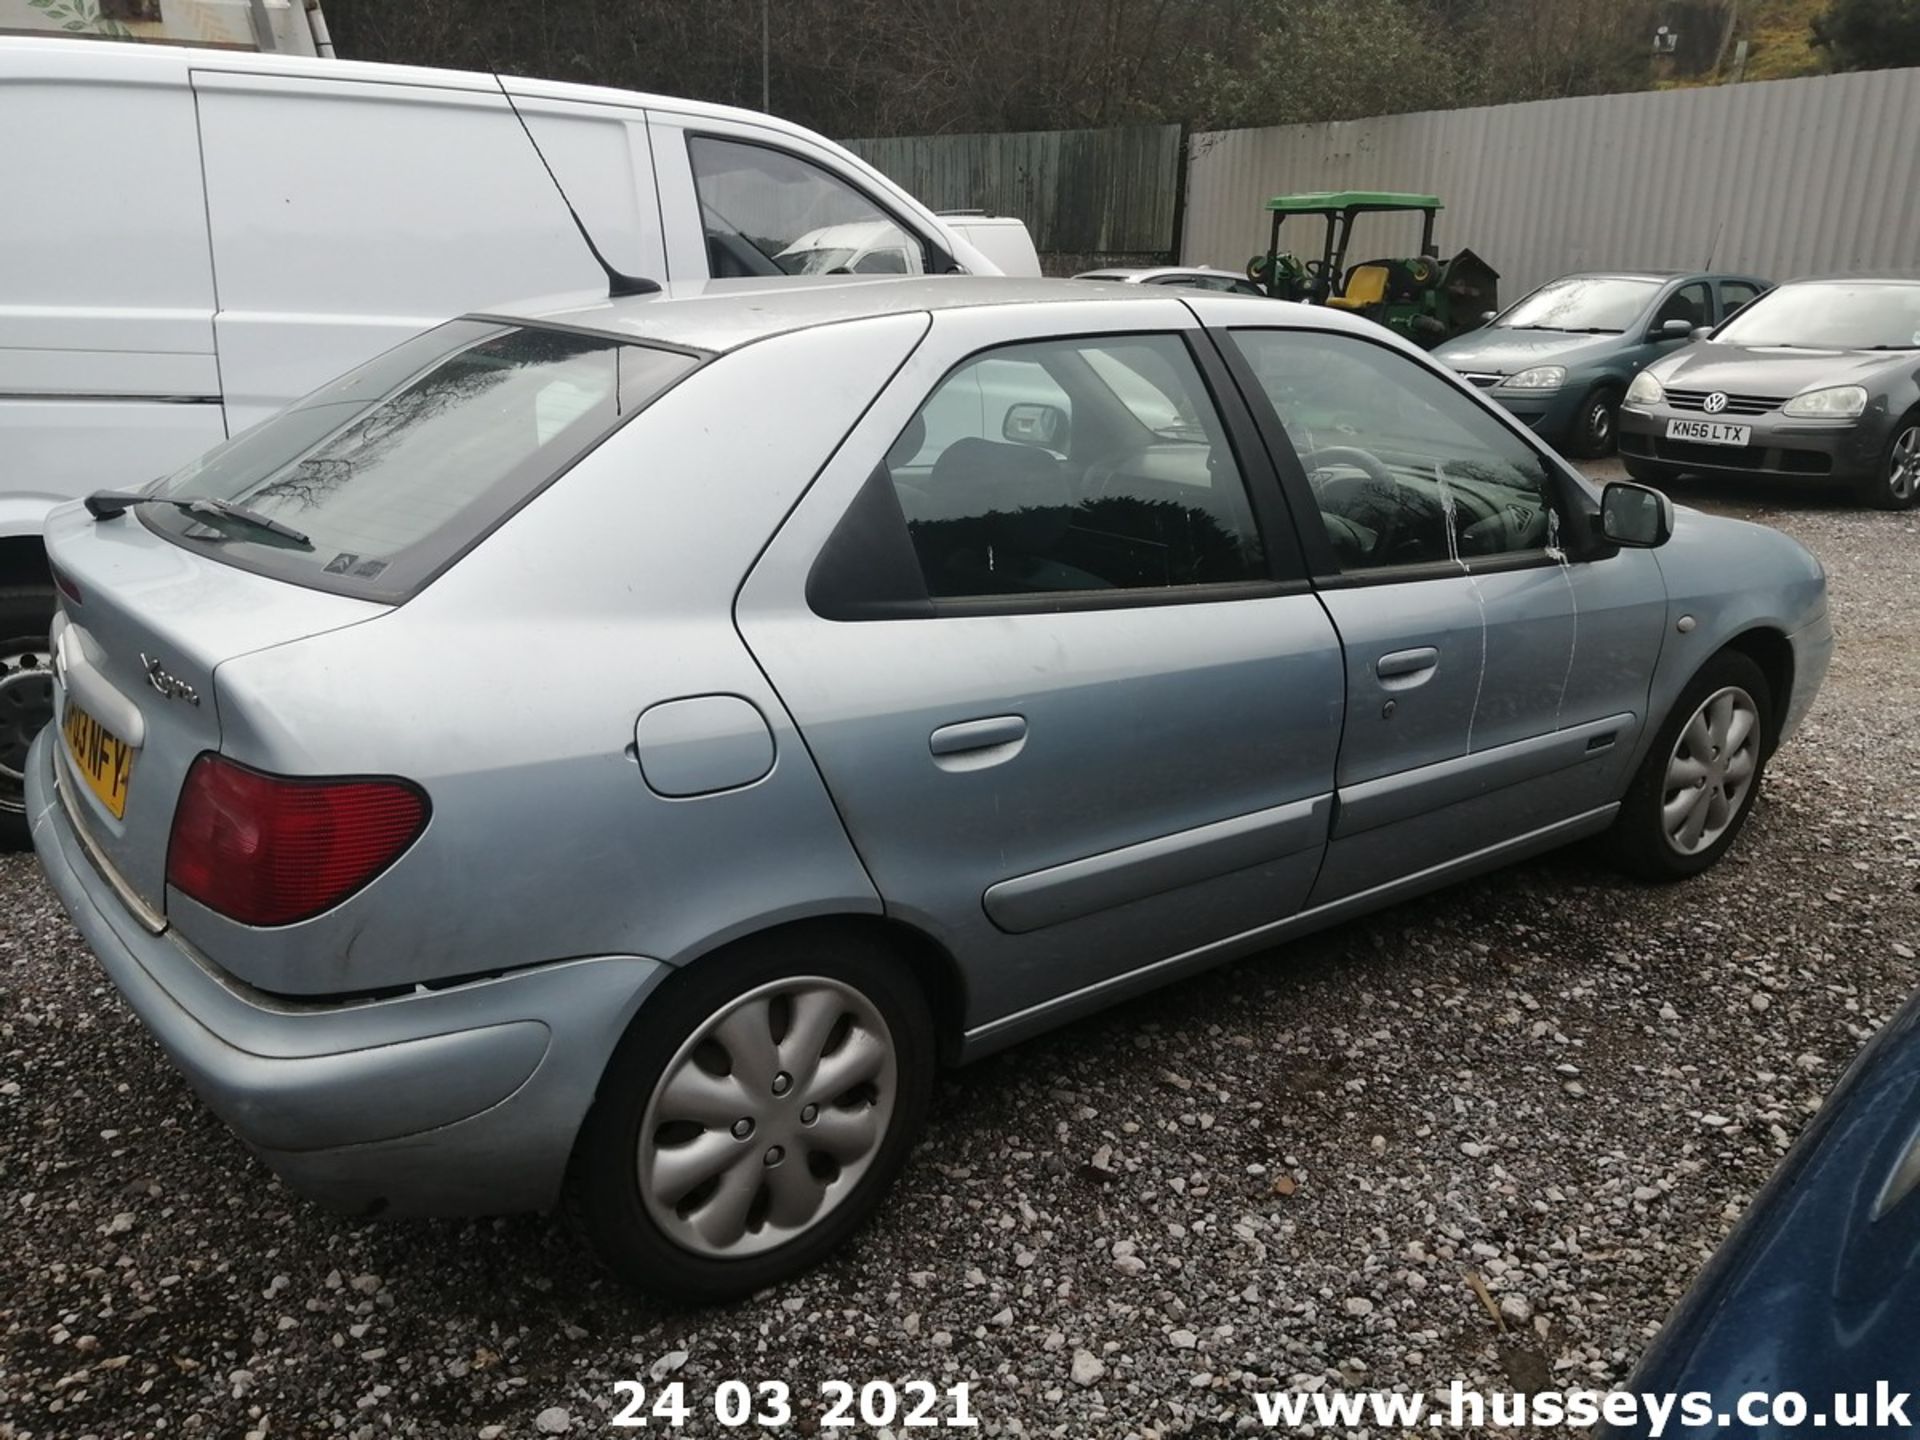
1060	671
348	215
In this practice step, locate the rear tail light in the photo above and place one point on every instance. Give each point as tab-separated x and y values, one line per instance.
268	850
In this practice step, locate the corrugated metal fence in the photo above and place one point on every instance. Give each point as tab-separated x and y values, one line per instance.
1082	193
1782	178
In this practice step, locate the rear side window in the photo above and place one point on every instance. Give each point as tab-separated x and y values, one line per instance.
1066	467
768	212
390	472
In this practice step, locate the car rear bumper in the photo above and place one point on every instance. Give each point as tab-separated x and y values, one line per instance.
1804	449
462	1100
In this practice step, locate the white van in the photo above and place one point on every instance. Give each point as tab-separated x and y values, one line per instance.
191	239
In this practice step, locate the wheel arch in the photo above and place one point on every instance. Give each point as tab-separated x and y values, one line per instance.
933	968
23	561
1770	649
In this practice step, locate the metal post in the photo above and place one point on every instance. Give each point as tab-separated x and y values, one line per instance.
766	61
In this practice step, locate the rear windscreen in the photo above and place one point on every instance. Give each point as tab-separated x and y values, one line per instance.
389	473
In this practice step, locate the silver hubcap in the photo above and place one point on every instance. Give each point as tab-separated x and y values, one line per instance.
1711	773
766	1118
26	705
1600	422
1903	474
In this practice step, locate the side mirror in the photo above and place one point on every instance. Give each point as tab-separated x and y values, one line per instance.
1674	329
1035	424
1700	332
1634	516
1487	317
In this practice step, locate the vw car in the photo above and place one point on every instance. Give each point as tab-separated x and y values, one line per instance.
629	748
1562	358
1820	380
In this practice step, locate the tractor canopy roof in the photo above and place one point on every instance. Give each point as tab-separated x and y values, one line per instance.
1319	202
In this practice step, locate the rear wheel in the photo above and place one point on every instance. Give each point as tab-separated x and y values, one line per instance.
754	1115
26	697
1696	787
1646	472
1595	423
1896	485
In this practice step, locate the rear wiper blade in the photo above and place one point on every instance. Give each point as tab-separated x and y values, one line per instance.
106	504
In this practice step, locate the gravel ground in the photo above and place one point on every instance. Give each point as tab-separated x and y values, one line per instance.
1552	1084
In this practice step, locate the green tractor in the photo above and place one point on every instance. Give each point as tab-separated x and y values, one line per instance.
1424	298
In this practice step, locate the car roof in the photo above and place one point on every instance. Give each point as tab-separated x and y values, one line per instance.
719	315
1144	272
1903	281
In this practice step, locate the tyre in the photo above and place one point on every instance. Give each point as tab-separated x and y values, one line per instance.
754	1115
26	697
1896	484
1593	432
1696	788
1647	472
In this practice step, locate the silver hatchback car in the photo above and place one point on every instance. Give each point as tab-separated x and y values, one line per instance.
632	747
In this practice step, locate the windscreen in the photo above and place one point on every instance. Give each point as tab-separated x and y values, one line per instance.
1830	317
392	471
1584	304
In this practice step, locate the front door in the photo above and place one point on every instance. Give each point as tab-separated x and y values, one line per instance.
1057	664
1477	714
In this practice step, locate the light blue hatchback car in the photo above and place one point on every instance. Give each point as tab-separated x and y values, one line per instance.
632	747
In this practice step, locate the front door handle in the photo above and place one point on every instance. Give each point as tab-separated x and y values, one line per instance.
1404	669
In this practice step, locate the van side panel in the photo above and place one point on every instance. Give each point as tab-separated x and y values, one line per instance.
107	372
347	216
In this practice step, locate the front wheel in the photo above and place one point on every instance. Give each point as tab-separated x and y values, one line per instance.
1595	424
1896	485
754	1115
1695	789
26	698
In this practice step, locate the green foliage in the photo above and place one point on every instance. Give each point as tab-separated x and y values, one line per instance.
1870	34
897	67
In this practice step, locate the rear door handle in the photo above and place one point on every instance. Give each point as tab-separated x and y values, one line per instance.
1404	669
997	737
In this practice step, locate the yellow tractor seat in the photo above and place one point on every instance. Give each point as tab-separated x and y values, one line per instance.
1366	285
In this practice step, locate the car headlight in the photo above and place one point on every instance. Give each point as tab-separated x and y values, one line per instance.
1837	402
1645	390
1541	377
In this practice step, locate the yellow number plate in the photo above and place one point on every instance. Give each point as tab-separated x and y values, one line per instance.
104	760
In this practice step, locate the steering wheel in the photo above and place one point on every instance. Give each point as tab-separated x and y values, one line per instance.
1381	481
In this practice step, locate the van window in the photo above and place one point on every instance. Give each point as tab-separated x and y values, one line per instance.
391	471
768	212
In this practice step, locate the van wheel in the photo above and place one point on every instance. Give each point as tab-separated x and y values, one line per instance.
754	1115
26	697
1696	787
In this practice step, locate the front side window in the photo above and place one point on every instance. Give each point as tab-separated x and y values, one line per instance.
769	212
1690	303
388	473
1404	468
1072	466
